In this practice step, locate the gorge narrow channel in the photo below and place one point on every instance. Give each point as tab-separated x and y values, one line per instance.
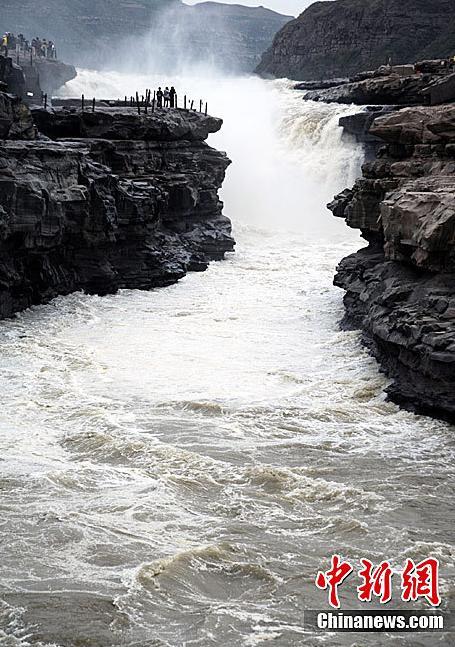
178	462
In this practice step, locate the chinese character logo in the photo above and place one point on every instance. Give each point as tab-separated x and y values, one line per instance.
417	581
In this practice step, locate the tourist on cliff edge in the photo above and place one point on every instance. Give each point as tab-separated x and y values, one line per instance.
172	97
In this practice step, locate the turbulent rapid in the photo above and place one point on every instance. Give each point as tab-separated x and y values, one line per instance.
177	465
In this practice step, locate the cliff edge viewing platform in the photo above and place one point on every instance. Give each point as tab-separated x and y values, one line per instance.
37	61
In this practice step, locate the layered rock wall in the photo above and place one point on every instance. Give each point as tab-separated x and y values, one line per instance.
338	39
128	201
401	289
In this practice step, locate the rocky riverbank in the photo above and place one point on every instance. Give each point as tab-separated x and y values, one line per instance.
400	290
426	82
106	200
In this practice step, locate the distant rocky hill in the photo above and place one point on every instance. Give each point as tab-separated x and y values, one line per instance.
231	36
341	38
131	33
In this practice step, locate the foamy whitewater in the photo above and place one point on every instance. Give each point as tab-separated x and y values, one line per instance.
177	465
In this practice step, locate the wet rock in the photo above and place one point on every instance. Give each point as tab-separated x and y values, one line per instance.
392	89
359	126
125	124
323	84
400	290
103	214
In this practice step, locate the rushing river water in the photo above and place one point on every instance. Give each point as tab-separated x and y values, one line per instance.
177	465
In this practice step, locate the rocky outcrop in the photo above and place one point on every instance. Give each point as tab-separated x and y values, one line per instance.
400	290
30	79
390	89
166	33
427	82
46	76
15	119
359	126
12	77
340	38
130	201
124	124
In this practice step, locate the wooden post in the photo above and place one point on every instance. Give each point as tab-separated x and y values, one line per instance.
153	105
192	104
206	107
200	105
45	102
82	103
176	100
138	104
126	101
184	102
93	104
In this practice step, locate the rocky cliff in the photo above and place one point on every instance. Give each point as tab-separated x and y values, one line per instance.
147	33
105	200
400	290
28	79
426	82
340	38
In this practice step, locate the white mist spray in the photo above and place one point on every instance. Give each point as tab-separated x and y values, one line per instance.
289	156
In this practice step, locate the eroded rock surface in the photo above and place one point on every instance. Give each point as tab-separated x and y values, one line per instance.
16	120
127	202
341	38
390	89
401	289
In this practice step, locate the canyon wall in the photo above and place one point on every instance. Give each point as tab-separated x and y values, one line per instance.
142	34
400	290
99	201
341	38
30	79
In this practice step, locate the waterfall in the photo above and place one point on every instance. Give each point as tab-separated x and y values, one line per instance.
289	156
178	464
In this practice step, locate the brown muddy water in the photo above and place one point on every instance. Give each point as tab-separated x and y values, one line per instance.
177	465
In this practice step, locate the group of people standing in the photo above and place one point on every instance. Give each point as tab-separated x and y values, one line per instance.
166	98
40	47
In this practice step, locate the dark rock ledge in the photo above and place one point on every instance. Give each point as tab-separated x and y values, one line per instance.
400	290
106	200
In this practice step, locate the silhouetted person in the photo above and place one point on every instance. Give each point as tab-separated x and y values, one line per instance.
172	96
166	97
159	98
